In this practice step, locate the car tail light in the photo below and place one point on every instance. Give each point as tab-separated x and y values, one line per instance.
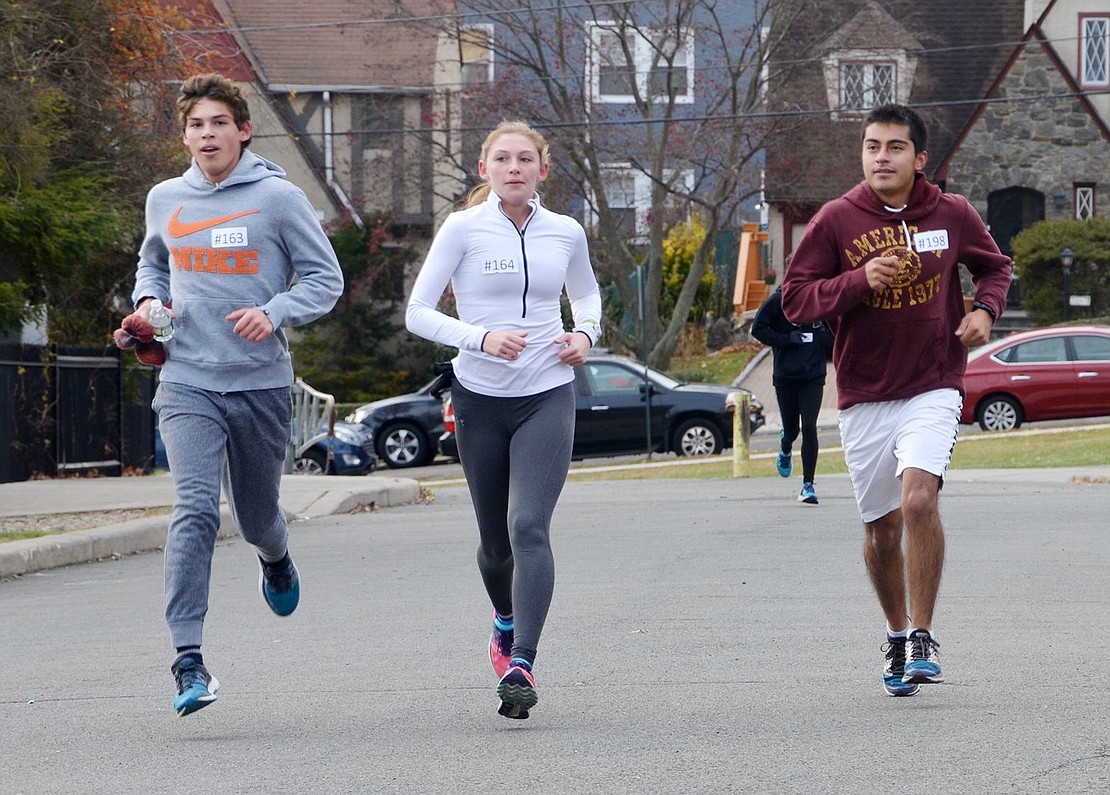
448	416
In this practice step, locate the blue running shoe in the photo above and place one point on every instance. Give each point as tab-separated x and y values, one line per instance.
922	662
807	494
783	463
895	669
517	691
196	688
280	585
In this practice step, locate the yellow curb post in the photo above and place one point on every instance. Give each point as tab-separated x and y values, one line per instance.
741	435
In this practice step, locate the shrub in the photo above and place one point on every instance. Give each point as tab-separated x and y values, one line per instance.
1041	275
679	248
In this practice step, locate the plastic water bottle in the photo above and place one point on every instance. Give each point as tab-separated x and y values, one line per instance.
161	320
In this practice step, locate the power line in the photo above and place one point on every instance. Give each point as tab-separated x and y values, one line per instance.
590	4
371	22
540	78
753	116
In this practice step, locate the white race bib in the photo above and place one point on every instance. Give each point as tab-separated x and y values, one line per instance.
229	237
494	266
937	240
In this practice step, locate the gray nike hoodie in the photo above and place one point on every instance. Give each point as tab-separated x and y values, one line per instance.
253	240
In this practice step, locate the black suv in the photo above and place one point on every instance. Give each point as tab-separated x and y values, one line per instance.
405	427
611	399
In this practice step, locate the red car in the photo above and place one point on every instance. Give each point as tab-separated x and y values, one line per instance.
1056	373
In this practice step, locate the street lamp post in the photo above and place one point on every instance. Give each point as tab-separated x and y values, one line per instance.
1066	259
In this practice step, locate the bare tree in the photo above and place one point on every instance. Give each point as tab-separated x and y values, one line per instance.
687	123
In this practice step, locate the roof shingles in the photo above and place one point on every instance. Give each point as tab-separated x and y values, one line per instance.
963	48
340	43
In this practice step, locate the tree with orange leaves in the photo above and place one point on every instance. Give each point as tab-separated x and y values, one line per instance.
87	114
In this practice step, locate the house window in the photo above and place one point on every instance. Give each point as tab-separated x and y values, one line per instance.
1095	51
620	190
613	77
865	85
1084	202
476	54
624	62
385	275
629	194
669	75
858	80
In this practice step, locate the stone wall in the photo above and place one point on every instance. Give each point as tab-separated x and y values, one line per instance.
1046	145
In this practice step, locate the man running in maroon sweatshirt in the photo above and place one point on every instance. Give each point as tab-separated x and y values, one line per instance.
880	265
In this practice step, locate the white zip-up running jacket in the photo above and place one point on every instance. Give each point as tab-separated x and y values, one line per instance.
503	279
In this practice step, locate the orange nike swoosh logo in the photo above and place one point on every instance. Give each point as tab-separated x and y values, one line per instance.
178	228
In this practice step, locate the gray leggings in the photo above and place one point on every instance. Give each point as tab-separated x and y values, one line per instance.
515	453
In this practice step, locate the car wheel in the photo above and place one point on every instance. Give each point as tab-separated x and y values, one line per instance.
1000	413
311	462
403	445
697	437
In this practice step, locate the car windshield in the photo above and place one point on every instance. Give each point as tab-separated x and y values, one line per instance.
663	379
658	378
984	350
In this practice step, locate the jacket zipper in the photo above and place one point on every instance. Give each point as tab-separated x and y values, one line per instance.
523	259
524	262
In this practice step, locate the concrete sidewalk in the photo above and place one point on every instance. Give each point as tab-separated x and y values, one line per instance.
302	497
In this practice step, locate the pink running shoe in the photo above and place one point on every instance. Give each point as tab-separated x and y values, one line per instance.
517	691
500	648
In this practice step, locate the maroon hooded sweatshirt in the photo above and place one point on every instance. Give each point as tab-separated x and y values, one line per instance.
900	341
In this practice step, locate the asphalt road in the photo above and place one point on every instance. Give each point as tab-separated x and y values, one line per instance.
706	636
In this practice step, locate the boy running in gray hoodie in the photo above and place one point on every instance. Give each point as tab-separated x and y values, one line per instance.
239	251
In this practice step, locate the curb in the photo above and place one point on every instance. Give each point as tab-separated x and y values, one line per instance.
31	555
400	492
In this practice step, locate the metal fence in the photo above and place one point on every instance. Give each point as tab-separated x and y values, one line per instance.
313	420
69	411
72	412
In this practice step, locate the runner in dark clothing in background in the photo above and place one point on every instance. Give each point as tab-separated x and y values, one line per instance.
800	351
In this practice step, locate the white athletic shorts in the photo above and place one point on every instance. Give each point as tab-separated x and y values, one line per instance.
882	439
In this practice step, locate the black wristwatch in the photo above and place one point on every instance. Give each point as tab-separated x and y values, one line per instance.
985	308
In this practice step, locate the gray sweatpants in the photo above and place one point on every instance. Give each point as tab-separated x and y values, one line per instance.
515	453
234	438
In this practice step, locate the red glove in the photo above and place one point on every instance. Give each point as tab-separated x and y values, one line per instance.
135	332
138	327
152	353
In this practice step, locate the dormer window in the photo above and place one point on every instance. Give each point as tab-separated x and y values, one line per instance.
866	85
858	80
